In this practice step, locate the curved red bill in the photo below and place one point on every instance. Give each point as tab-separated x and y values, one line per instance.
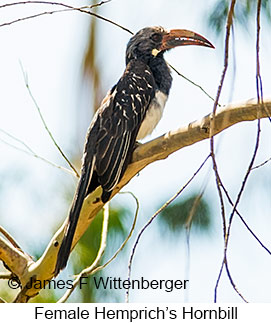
182	37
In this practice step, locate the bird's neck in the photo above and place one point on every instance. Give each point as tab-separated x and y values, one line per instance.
161	74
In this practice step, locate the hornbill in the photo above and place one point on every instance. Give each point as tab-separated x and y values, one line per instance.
129	112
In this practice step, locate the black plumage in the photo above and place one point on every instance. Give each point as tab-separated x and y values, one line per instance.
130	111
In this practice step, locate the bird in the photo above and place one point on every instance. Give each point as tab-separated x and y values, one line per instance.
129	112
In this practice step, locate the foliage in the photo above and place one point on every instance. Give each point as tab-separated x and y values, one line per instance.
192	212
243	12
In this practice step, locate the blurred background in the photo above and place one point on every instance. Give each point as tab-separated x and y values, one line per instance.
70	60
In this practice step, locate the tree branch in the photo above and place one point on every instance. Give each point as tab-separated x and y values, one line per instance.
199	130
145	154
13	258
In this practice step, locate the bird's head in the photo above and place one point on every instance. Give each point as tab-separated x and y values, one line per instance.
151	42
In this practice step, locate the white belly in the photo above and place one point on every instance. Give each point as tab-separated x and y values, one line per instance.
153	115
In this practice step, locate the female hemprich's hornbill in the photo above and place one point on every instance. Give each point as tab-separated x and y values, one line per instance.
130	111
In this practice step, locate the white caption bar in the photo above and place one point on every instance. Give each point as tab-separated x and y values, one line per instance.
134	312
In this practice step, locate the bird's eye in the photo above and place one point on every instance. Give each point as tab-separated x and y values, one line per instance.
156	37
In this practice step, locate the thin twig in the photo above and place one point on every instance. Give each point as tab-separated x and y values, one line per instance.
244	222
219	90
260	101
192	212
225	257
153	217
215	168
68	8
233	284
51	3
18	140
44	123
192	82
232	83
30	152
262	164
127	238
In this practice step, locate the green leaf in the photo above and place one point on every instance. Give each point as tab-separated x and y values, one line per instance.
192	212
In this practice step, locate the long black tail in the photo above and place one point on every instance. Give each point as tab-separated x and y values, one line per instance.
80	194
